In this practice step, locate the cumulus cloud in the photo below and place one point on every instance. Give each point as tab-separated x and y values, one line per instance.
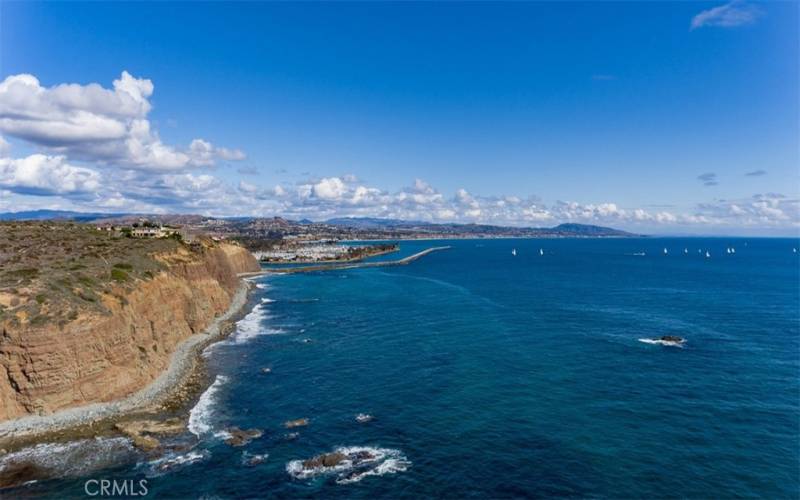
756	173
90	122
319	199
730	15
44	175
708	179
769	209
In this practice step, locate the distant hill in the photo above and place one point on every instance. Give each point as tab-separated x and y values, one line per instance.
372	222
589	230
566	230
56	215
336	228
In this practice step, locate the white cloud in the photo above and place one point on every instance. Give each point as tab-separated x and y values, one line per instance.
89	122
334	197
332	188
732	14
46	175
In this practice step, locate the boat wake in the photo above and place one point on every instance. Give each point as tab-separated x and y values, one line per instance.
350	464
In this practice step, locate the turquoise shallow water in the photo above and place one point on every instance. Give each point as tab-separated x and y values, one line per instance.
490	375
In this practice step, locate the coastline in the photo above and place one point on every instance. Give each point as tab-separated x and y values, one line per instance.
339	266
97	418
333	261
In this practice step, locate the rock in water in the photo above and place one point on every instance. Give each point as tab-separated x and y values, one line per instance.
20	473
239	437
300	422
253	460
324	460
141	432
363	418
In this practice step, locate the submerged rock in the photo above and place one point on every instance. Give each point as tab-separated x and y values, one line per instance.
253	460
239	437
300	422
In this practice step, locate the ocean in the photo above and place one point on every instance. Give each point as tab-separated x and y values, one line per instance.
480	374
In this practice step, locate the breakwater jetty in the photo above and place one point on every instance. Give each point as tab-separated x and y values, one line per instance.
338	266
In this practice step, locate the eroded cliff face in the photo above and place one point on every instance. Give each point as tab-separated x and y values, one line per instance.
105	355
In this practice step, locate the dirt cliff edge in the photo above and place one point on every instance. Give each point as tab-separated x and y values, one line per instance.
107	354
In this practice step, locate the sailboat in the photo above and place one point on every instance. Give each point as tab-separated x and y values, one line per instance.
733	250
707	254
685	250
665	251
728	250
514	252
541	251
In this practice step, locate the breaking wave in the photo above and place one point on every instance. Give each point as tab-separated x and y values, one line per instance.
668	343
200	415
172	462
71	459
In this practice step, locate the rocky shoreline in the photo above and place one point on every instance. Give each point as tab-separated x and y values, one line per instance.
168	395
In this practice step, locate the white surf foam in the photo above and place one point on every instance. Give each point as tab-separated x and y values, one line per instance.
668	343
172	462
74	458
250	326
200	416
359	462
251	460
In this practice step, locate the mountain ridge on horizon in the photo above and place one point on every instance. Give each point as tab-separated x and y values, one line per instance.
364	223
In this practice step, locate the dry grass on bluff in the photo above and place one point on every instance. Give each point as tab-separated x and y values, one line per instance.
49	271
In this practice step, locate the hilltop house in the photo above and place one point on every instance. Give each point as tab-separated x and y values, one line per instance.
153	232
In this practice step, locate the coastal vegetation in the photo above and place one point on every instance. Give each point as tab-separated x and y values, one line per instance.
50	271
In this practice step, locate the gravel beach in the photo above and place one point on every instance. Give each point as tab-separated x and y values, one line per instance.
181	365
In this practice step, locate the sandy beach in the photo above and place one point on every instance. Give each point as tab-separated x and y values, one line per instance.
31	429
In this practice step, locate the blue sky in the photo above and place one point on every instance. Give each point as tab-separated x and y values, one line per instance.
640	115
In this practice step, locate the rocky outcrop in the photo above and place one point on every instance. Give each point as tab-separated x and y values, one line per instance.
106	355
238	437
142	432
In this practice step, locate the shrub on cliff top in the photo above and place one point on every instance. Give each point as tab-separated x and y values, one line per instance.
119	275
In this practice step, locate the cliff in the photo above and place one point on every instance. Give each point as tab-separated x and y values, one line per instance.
121	340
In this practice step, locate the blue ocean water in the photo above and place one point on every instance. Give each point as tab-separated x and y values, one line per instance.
493	375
